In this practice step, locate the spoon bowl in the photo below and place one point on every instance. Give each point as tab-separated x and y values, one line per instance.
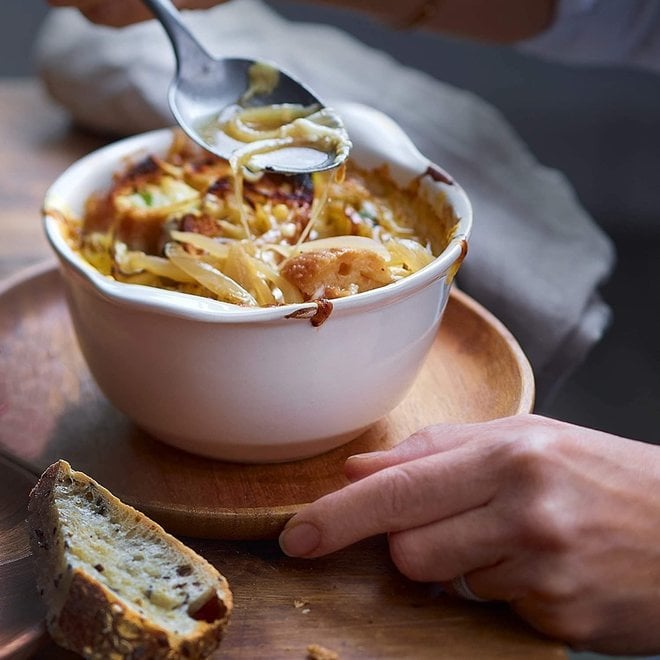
205	86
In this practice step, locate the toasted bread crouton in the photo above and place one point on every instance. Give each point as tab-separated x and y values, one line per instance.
336	272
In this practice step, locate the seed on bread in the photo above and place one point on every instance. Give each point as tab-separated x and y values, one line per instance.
115	584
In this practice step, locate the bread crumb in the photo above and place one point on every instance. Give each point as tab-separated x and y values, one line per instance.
318	652
297	603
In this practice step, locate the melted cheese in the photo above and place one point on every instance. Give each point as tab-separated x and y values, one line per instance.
309	136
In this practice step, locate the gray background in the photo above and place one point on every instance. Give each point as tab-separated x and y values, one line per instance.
601	127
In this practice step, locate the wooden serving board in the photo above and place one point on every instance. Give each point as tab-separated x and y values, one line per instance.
21	613
353	602
50	408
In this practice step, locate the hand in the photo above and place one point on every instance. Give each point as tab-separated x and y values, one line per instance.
118	13
560	521
505	21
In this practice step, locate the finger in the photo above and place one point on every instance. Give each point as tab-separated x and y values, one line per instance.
513	579
459	587
427	441
82	5
198	4
401	497
119	13
112	13
70	3
562	607
482	584
440	551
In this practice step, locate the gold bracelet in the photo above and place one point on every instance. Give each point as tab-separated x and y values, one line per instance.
426	10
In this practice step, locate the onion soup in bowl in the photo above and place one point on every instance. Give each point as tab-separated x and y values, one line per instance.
264	322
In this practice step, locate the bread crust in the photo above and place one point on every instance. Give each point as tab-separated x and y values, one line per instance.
86	616
336	272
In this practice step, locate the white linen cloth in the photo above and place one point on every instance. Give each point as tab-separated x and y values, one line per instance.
536	258
602	32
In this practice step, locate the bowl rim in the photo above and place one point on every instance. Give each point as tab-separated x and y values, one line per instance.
174	303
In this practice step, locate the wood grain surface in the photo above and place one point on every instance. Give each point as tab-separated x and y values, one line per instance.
21	612
353	602
52	409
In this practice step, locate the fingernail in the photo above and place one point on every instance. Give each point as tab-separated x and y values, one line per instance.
365	456
300	539
358	466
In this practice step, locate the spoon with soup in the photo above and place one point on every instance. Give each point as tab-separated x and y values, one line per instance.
251	113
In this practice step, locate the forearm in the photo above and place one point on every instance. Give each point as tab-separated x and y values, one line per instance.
501	21
119	13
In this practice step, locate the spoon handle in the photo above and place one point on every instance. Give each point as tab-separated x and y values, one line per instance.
190	55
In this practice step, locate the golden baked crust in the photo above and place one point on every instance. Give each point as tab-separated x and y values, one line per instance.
114	583
336	272
183	222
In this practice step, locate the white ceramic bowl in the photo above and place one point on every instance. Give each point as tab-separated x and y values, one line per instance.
255	385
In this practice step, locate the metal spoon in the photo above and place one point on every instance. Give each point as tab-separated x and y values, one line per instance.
204	86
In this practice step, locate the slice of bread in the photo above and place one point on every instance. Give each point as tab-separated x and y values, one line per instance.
115	584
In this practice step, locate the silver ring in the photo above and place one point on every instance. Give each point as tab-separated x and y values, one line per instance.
462	589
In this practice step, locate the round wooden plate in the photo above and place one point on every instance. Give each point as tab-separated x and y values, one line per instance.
50	408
